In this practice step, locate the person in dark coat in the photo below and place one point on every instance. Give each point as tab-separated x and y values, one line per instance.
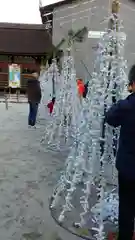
123	114
85	89
34	98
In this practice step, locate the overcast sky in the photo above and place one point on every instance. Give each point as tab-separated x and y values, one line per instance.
21	11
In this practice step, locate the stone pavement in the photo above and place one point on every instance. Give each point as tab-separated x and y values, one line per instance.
27	176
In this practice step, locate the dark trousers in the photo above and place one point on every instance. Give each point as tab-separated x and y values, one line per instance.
33	109
126	208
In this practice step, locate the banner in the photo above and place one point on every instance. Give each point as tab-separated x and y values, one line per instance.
14	76
98	34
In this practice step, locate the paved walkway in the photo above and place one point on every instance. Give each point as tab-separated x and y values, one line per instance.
27	175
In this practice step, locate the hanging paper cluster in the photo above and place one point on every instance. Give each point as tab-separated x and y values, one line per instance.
116	85
50	80
62	127
89	177
110	208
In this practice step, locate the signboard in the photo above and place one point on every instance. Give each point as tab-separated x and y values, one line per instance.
14	76
99	34
95	34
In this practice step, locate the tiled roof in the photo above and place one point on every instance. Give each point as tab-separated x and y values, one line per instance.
50	8
24	39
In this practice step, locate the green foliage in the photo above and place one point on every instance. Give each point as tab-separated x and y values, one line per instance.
35	236
83	231
54	236
31	236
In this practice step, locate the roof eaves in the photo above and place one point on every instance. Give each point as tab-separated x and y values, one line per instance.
51	7
4	25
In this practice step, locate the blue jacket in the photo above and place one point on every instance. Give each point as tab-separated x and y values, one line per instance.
123	114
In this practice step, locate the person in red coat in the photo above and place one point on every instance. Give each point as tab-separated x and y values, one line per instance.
81	88
50	105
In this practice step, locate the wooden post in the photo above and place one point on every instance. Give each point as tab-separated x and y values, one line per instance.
9	92
18	95
6	99
115	10
115	6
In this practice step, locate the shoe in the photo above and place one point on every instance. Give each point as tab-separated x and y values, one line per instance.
31	127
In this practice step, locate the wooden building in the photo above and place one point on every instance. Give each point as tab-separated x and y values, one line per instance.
23	44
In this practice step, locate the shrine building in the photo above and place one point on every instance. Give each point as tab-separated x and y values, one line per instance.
23	44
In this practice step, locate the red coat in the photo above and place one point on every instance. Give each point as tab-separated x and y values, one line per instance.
50	106
81	87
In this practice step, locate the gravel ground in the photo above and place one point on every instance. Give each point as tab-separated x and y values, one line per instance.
27	176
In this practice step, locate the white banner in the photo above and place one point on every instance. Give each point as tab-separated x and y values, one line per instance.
99	34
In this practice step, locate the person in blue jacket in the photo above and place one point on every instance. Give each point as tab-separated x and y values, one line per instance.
122	114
